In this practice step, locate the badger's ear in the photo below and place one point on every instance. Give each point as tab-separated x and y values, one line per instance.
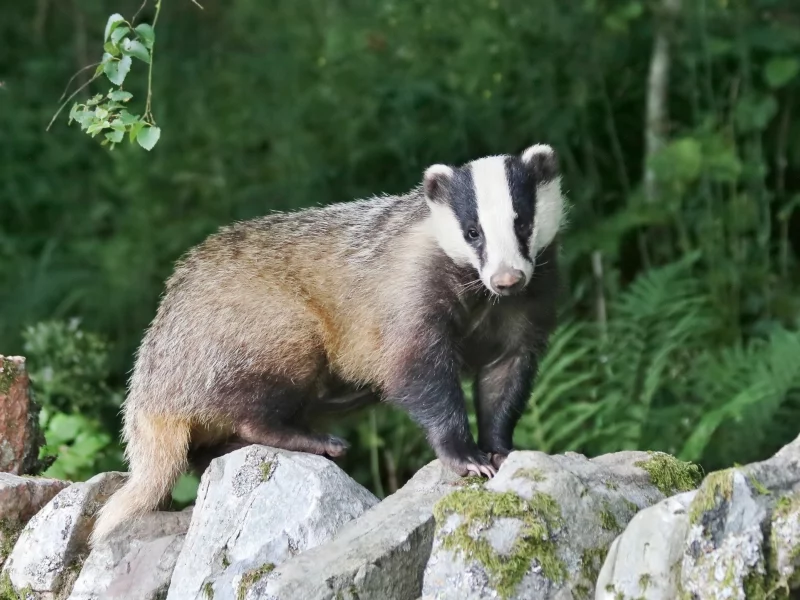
436	182
543	160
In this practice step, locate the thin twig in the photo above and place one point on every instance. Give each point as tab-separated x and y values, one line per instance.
148	115
71	96
71	79
200	6
136	14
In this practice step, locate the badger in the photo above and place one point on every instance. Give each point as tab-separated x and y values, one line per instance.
271	323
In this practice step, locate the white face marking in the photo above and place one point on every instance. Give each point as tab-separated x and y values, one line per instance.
447	231
496	217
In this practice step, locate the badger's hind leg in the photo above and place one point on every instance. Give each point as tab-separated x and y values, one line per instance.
292	438
277	416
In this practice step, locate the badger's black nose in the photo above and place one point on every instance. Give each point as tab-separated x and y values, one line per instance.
508	281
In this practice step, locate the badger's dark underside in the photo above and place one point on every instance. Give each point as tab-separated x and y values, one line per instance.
298	432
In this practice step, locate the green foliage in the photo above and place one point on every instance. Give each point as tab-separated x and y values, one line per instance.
107	114
69	372
685	343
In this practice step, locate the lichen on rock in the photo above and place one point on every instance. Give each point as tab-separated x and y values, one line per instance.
477	509
716	488
250	577
669	474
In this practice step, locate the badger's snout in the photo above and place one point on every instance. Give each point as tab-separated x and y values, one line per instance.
507	281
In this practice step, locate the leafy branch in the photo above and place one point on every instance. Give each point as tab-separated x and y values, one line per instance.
106	114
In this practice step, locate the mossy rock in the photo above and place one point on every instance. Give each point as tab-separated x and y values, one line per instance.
478	509
670	475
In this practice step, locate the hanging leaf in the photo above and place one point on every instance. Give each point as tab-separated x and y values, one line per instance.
148	137
127	118
113	21
117	70
137	49
118	34
115	136
119	96
147	34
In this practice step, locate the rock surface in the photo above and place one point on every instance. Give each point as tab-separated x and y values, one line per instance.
737	537
20	437
136	564
542	527
20	499
50	550
256	508
275	525
381	554
641	562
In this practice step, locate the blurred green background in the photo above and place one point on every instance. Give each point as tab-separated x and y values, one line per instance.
681	315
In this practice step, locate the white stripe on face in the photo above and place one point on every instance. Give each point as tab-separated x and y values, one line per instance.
549	214
496	216
447	231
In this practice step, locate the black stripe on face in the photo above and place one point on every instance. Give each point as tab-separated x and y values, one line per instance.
522	187
465	207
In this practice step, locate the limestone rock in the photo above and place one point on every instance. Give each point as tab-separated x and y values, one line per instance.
20	499
542	527
50	550
256	508
135	564
381	554
737	537
644	562
20	437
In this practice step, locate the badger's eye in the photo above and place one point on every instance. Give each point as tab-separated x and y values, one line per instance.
523	227
473	233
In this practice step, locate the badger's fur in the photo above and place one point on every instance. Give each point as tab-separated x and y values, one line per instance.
271	322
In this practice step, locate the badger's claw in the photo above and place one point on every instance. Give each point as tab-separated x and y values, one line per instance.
474	463
482	470
336	446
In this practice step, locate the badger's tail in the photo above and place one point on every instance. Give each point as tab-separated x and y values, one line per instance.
157	449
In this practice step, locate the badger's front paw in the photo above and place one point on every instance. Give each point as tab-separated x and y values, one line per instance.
471	462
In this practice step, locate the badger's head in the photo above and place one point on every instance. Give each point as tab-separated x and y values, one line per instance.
497	213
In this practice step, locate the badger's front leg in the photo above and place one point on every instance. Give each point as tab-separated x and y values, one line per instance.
427	386
502	389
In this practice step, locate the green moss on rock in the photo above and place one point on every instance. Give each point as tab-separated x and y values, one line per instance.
758	486
592	561
251	577
8	372
582	592
540	517
631	506
669	474
208	590
471	481
718	486
266	469
9	533
607	519
9	592
530	473
644	581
